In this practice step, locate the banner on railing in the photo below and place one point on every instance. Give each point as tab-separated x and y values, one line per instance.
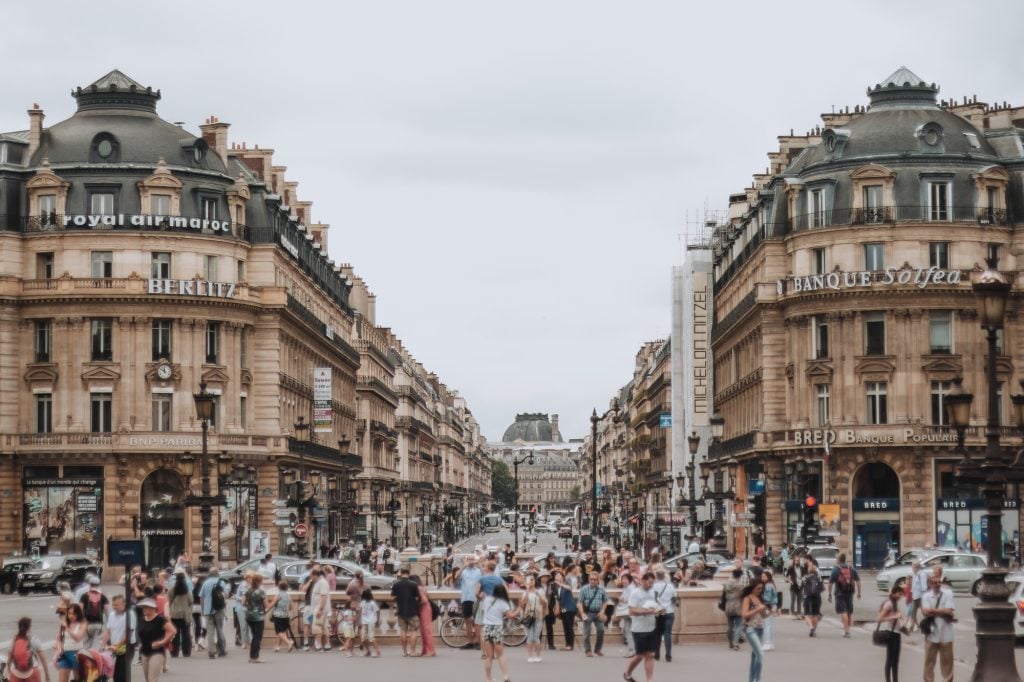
322	414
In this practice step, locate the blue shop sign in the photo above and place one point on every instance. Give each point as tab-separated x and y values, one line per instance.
876	504
756	486
665	420
972	503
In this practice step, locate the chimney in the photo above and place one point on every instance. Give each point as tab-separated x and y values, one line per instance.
35	129
215	134
556	436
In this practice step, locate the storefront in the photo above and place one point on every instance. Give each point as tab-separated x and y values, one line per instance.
961	523
162	520
876	528
237	518
63	510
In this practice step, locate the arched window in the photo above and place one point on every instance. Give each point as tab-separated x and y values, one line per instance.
105	149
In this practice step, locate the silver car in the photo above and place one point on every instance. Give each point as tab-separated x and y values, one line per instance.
962	570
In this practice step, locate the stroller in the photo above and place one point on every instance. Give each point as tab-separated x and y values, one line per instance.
94	665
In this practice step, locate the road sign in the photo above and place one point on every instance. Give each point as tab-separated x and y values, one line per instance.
300	530
741	524
284	513
282	522
279	503
745	516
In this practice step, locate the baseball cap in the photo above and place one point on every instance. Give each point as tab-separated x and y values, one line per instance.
147	603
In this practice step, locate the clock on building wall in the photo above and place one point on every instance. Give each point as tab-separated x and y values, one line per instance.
164	372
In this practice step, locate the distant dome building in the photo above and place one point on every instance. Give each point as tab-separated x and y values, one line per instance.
548	482
533	427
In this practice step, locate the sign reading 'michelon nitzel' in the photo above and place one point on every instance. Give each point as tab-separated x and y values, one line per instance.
154	221
838	280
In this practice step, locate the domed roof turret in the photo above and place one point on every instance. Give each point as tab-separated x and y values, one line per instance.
903	87
116	91
529	427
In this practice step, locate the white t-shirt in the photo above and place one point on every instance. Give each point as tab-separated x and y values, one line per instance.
115	624
493	611
369	610
694	548
268	570
663	593
642	599
320	590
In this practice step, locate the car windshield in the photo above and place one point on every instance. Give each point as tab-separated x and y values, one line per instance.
824	552
47	563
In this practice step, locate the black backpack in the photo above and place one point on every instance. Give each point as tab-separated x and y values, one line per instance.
217	597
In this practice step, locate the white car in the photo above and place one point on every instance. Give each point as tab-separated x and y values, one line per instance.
1015	581
544	528
962	570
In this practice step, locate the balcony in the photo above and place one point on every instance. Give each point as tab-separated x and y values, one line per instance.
891	215
324	453
732	446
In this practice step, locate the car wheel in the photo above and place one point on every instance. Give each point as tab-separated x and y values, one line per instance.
974	587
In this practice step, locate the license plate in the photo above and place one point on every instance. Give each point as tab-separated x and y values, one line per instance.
28	584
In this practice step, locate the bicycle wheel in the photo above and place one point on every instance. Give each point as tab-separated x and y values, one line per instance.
514	633
453	632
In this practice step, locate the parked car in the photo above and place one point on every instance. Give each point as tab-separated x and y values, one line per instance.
565	531
47	571
234	575
9	573
712	560
1015	581
544	528
961	570
344	571
824	555
919	554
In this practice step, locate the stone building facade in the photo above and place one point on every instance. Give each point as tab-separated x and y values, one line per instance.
138	262
844	313
553	480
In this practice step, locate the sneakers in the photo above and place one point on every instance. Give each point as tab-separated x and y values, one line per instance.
846	635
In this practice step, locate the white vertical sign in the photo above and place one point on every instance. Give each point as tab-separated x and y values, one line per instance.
322	414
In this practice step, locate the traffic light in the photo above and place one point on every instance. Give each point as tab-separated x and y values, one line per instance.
810	515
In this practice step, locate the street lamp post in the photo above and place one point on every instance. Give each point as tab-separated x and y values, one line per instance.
594	419
301	428
528	459
993	614
206	501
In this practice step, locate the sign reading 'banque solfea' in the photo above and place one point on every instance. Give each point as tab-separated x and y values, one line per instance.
191	287
151	221
839	280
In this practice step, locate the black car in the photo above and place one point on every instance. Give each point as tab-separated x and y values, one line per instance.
9	574
47	571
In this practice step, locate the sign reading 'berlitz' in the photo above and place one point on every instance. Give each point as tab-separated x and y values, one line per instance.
191	287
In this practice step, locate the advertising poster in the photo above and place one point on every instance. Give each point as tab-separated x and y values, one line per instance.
237	518
64	516
259	543
828	519
322	414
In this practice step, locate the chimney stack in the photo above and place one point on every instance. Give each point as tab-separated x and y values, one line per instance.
215	134
556	436
35	129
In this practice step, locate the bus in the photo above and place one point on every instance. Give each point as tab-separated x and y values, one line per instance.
558	516
492	523
509	521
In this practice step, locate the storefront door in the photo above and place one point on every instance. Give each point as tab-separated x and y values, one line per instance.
162	514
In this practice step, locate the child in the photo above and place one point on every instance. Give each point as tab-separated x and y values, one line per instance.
348	627
280	614
370	612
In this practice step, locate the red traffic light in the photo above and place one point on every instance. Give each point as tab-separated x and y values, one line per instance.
810	501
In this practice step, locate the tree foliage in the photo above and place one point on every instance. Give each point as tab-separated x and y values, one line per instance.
574	494
502	486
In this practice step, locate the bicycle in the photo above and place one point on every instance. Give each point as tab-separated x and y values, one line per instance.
453	631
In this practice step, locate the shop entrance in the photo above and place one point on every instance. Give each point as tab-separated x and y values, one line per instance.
876	514
162	517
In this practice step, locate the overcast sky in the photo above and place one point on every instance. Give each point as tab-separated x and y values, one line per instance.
512	179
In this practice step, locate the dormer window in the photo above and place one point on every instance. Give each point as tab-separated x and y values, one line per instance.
931	137
199	151
105	148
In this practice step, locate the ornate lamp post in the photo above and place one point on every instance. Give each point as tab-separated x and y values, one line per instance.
594	419
528	459
206	501
993	614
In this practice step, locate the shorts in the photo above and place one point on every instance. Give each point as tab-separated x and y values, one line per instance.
369	632
348	631
494	633
307	615
812	605
844	602
467	609
68	660
280	624
410	624
319	622
645	642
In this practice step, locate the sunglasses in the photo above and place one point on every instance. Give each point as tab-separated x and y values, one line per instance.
61	612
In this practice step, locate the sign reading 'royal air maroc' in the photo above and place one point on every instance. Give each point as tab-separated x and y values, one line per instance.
153	221
839	280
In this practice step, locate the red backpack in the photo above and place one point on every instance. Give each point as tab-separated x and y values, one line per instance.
21	654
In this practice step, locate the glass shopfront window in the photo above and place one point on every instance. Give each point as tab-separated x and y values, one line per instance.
960	514
63	510
237	518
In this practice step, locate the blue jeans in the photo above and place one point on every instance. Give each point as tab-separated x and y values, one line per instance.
735	629
754	637
670	619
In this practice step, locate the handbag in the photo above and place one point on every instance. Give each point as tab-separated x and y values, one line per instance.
721	601
881	637
926	625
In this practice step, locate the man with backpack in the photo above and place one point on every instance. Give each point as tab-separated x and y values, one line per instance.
812	588
846	581
95	606
213	595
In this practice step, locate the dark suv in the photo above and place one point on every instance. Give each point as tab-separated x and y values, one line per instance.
47	571
9	573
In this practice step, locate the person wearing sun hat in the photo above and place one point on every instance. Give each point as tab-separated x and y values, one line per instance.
155	635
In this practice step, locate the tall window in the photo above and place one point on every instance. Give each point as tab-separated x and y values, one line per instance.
161	340
938	201
818	264
43	339
938	255
878	408
209	209
210	268
44	265
162	403
243	420
873	204
101	404
994	204
999	341
241	271
160	265
817	208
215	412
44	413
992	251
160	204
874	334
940	331
101	203
939	391
243	348
48	209
823	408
874	256
212	341
102	338
820	327
103	264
